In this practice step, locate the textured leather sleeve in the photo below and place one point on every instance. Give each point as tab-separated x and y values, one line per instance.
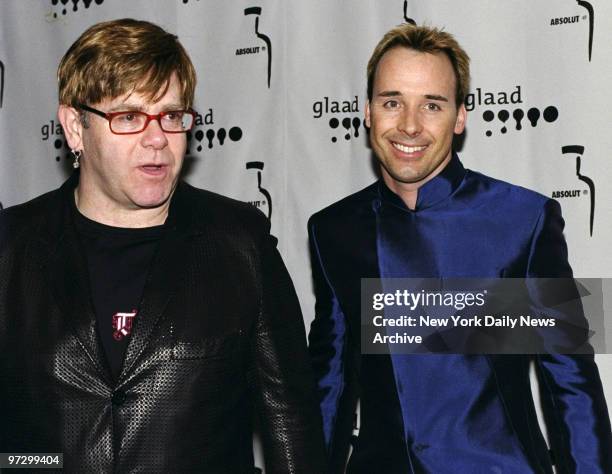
281	376
572	396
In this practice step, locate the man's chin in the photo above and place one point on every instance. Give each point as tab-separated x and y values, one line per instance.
153	196
151	202
405	176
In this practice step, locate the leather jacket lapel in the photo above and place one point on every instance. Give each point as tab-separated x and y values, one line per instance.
165	275
69	282
68	277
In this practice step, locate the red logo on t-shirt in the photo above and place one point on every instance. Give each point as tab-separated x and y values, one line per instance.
122	324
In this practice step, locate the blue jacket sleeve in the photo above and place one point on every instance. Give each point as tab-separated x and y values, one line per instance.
573	403
327	340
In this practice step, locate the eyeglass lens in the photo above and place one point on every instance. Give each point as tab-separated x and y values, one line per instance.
172	121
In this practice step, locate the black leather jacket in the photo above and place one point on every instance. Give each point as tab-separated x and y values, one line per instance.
219	336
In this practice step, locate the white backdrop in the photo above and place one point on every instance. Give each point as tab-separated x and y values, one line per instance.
287	103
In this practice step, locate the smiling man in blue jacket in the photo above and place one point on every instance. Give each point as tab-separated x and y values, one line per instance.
430	217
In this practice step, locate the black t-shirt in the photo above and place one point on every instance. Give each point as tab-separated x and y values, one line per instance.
118	261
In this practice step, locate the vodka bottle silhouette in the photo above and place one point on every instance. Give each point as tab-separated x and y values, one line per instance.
263	199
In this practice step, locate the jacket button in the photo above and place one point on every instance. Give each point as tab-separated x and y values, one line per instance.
118	398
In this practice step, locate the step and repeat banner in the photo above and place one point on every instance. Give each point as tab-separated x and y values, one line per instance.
281	97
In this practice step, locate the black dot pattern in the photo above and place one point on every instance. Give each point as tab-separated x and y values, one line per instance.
533	115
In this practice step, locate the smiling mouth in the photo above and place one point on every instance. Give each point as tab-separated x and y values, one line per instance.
408	149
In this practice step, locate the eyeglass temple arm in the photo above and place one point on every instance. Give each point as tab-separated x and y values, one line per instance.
92	110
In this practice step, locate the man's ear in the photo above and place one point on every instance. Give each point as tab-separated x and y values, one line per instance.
367	114
461	119
70	118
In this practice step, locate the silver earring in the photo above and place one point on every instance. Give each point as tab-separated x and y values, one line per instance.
77	155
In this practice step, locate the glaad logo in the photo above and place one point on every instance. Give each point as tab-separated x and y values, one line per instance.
407	19
75	5
564	20
197	135
52	131
350	124
265	204
533	114
266	39
579	150
1	83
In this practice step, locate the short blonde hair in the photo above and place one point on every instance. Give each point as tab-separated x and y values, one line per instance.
117	57
424	39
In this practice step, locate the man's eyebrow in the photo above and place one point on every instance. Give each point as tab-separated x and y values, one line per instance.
125	108
436	97
140	107
177	106
389	94
427	96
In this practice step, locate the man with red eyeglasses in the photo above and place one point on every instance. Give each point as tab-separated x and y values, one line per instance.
142	320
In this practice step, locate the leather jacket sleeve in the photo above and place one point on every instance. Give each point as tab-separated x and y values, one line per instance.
281	377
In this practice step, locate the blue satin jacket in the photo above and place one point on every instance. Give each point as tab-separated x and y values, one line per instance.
447	413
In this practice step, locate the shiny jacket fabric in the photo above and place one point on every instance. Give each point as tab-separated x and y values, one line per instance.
447	414
219	335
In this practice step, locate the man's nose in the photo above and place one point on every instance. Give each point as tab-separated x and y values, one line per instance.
410	122
154	136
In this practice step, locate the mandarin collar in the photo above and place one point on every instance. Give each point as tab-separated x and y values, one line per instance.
433	191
